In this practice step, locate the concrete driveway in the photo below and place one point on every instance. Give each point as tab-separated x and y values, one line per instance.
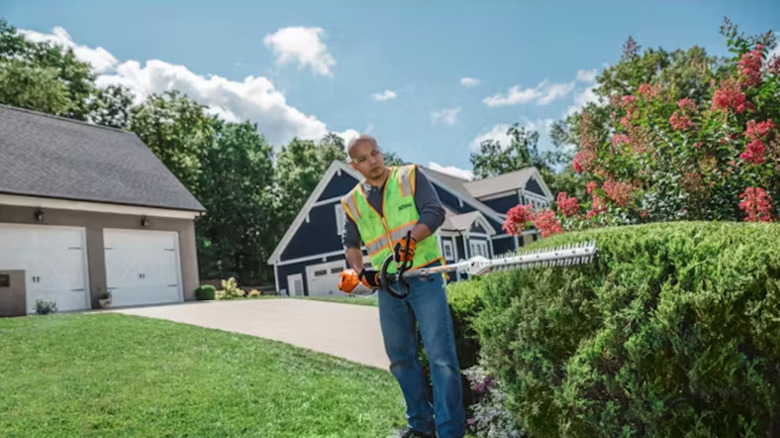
349	331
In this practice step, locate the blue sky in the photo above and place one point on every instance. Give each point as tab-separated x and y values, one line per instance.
394	70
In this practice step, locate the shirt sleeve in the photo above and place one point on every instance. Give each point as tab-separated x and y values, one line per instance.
429	206
351	236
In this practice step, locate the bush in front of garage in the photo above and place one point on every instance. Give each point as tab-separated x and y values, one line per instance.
205	292
230	290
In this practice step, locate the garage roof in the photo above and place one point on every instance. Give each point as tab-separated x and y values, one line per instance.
55	157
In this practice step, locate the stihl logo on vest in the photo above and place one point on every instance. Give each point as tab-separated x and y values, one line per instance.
401	207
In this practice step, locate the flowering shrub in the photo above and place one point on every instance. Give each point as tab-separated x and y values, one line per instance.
657	157
488	416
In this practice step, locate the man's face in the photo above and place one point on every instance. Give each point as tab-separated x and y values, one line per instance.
367	159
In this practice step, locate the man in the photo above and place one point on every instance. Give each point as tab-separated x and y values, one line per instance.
380	210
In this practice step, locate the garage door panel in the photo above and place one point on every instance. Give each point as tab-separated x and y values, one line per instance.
323	278
142	267
137	296
54	262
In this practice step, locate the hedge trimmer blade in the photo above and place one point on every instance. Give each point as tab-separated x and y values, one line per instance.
565	255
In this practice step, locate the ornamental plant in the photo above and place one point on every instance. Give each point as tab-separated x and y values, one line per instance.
712	154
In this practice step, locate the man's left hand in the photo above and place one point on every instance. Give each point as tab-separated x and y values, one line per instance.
404	250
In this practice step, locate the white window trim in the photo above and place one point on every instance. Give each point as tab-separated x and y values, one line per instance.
445	245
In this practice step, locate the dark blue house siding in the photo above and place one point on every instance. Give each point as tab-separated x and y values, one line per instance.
300	268
477	228
534	187
338	186
503	204
317	236
452	201
501	246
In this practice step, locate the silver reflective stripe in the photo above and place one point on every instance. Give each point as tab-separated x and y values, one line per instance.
401	232
406	183
377	246
352	207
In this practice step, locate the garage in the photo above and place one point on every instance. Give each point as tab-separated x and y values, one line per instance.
54	260
142	267
323	279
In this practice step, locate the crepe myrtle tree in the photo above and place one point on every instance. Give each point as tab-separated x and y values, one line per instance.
657	157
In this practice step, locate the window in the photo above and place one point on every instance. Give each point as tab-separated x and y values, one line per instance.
340	218
447	248
479	248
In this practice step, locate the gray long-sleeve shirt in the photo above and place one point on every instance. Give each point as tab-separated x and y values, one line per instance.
429	208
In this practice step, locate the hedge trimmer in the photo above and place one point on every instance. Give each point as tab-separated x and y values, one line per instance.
565	255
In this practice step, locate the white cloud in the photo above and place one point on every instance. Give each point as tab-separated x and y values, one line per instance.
582	99
514	96
586	76
452	170
498	133
255	98
301	45
385	95
542	126
469	82
447	115
544	93
347	135
100	59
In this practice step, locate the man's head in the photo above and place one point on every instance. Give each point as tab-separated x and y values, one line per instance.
366	157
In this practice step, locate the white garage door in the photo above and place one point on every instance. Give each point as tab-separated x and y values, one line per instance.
142	267
54	260
323	279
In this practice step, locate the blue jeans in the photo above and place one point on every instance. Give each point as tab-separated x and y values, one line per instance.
427	305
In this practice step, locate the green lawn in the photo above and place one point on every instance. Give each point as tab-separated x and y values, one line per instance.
118	375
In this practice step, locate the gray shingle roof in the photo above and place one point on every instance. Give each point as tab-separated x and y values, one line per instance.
501	183
48	156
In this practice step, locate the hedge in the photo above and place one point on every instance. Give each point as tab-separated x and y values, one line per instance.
673	331
205	292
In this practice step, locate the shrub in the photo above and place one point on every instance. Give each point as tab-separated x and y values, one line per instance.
230	290
488	416
254	293
45	307
205	292
672	331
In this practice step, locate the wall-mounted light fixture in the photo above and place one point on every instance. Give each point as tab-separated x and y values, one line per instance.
145	222
39	215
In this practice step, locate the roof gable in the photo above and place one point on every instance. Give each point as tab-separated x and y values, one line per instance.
336	169
55	157
502	183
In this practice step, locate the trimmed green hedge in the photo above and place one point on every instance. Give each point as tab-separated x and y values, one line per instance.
673	331
205	292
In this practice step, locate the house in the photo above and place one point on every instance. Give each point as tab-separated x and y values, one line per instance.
309	257
86	209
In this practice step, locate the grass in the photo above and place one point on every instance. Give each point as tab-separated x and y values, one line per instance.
91	375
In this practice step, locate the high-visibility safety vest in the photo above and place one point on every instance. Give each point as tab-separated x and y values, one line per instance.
380	232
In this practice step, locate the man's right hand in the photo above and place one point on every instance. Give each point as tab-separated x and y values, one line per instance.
369	278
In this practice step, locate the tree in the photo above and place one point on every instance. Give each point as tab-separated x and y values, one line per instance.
111	106
25	85
392	159
649	154
26	64
235	187
178	131
494	159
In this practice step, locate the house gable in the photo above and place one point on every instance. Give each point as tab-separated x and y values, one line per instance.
340	184
533	186
315	229
503	204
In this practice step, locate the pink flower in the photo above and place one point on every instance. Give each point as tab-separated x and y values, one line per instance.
686	104
628	101
757	203
619	192
754	152
568	206
517	219
591	186
619	139
583	160
755	130
546	222
680	123
729	96
596	208
749	67
647	91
